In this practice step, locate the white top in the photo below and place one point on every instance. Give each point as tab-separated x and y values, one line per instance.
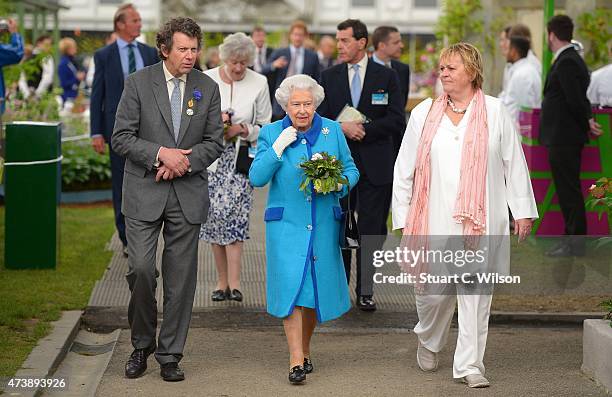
533	60
46	79
600	89
524	88
170	83
508	181
363	65
249	99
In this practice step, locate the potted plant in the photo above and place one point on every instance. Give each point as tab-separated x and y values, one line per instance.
597	336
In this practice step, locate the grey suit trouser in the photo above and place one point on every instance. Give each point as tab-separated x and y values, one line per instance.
179	273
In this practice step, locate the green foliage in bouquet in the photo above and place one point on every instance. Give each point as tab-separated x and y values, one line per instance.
325	173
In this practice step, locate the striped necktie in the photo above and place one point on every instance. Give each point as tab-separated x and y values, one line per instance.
131	59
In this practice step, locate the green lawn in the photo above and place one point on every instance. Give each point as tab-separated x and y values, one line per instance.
31	299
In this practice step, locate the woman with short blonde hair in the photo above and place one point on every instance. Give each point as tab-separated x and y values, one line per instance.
69	76
459	168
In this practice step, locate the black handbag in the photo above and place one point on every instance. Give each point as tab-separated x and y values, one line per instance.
349	232
243	161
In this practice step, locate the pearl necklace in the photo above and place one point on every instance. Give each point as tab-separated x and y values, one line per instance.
454	108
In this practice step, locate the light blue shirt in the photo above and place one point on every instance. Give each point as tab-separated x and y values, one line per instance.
124	55
380	61
299	65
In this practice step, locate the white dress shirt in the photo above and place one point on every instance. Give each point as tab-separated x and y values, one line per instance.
533	59
363	64
170	83
260	58
600	89
524	88
297	58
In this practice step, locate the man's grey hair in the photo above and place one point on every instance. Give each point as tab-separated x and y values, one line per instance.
299	82
237	45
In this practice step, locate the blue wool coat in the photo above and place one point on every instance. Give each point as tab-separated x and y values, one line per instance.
302	230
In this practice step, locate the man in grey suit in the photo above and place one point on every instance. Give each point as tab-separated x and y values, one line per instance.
168	127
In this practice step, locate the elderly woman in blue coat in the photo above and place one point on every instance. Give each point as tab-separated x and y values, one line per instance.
305	276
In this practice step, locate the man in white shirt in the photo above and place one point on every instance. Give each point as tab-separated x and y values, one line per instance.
520	30
262	51
517	30
525	85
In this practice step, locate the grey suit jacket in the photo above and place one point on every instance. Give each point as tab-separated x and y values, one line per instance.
144	123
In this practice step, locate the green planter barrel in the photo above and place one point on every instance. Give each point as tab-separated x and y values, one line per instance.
32	188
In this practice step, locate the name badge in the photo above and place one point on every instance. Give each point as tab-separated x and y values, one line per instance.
380	98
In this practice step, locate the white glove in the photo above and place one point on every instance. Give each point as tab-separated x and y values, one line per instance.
286	138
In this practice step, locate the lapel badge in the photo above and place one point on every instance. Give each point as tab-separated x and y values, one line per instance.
190	103
189	112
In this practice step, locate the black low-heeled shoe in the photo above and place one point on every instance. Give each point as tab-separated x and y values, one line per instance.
235	295
308	367
297	374
219	295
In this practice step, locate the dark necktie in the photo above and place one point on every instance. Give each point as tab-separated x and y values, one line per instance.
131	59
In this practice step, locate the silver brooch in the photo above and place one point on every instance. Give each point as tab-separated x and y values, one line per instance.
325	131
189	112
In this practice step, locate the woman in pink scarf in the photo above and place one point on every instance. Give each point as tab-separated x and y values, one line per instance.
459	168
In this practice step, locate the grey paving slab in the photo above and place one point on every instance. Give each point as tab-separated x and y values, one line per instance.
112	290
249	362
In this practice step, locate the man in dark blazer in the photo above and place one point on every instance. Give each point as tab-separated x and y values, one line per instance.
565	123
286	62
262	54
374	90
113	64
169	130
388	47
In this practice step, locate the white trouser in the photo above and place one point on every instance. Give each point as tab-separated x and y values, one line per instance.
435	314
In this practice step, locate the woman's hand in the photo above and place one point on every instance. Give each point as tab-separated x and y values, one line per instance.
232	131
522	228
286	138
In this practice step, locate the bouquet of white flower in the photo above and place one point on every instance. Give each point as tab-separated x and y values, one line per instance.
325	173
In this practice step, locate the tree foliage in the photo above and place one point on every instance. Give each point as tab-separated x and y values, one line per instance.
594	28
457	21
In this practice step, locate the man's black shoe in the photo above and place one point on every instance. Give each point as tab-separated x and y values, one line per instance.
366	303
136	365
170	372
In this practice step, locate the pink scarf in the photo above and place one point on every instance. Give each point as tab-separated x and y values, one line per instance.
470	206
